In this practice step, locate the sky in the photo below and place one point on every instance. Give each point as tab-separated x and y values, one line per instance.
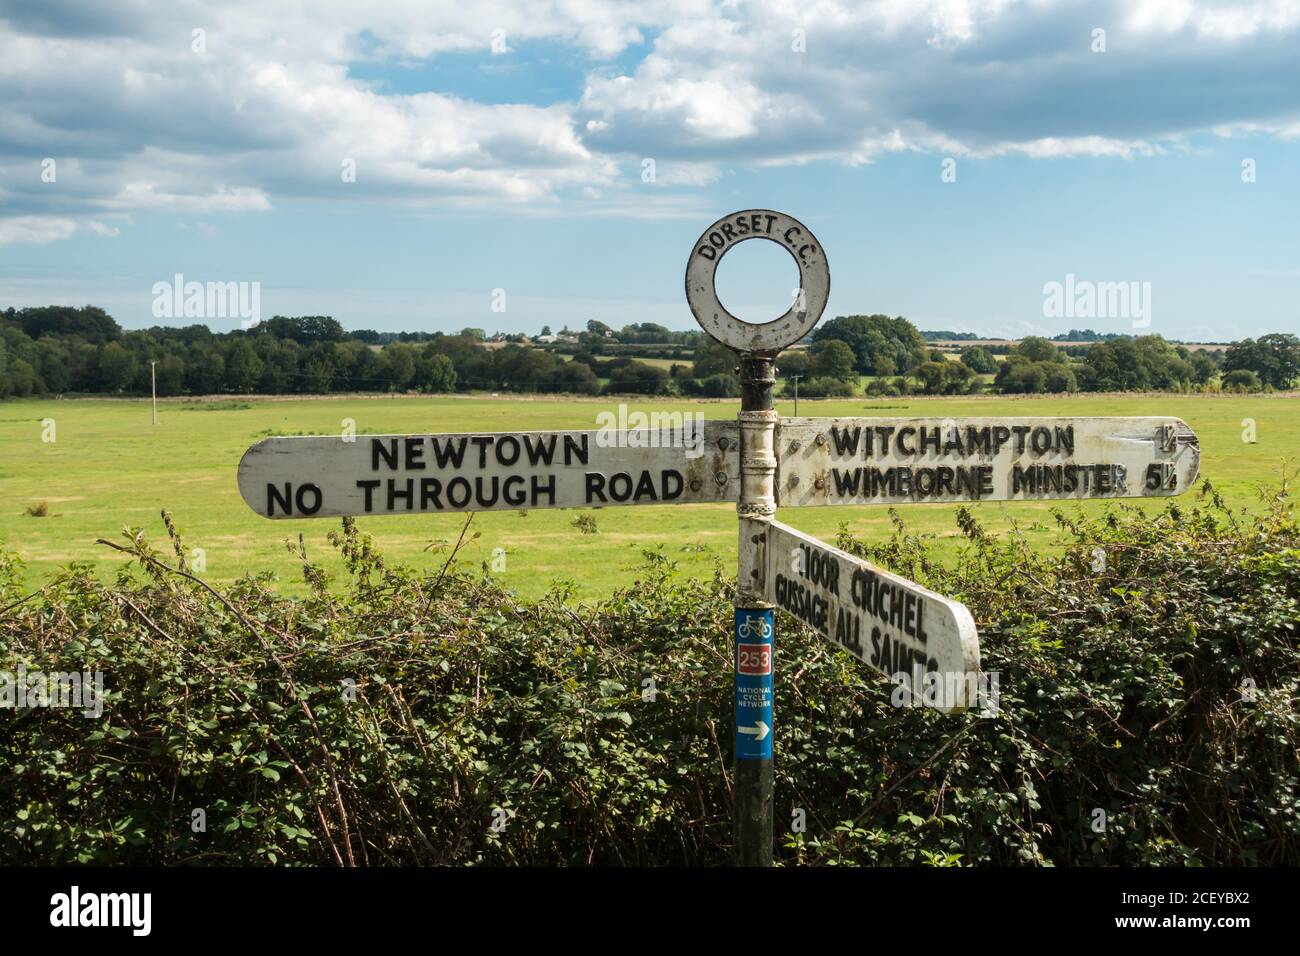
436	165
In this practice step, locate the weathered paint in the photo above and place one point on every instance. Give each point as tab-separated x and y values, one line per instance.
766	338
846	461
318	476
891	624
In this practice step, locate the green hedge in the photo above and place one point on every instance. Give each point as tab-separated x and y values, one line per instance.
1148	669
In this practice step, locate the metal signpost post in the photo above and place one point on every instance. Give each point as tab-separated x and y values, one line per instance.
926	643
756	347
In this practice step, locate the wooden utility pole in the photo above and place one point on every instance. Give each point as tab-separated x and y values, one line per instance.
153	388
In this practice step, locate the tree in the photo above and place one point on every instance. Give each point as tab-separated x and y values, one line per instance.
356	365
22	380
398	364
577	378
1115	367
279	364
1019	376
944	378
243	367
303	329
115	367
978	360
712	358
1203	367
90	323
170	375
442	374
1037	349
1275	358
434	372
205	373
931	376
638	378
794	362
54	365
317	375
832	358
722	385
646	332
822	387
881	345
1129	364
1059	378
526	369
1241	380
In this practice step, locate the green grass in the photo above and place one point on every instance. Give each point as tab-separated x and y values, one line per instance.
109	468
663	363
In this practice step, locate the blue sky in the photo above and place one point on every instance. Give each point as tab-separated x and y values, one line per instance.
503	145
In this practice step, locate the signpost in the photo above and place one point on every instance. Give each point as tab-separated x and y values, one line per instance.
318	476
846	461
923	640
926	643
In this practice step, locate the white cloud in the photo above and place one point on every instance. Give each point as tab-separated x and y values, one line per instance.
144	195
1214	21
963	77
272	108
36	230
1068	147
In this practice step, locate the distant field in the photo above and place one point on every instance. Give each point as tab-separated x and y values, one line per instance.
664	363
959	344
109	468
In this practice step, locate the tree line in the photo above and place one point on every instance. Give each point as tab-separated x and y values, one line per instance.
899	360
1148	363
59	350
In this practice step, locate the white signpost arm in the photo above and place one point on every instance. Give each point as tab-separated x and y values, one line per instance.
324	475
856	461
925	642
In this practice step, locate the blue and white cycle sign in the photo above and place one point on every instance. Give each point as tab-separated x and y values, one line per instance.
754	648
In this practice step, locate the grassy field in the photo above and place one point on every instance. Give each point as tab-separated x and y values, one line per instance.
108	468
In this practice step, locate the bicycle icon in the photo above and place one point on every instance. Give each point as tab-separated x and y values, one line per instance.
755	627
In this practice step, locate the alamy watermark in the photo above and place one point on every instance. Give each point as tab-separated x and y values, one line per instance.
130	910
1085	299
947	691
626	429
24	690
179	299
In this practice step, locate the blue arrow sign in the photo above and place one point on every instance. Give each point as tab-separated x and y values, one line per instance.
755	630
